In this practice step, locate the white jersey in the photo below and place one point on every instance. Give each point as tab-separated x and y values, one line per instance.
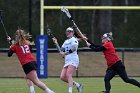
71	58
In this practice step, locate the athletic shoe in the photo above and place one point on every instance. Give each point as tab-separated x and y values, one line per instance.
104	92
80	88
51	92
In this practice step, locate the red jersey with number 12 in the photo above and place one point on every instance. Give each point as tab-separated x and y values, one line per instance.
110	54
23	53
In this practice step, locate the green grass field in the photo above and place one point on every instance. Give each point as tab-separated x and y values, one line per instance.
91	85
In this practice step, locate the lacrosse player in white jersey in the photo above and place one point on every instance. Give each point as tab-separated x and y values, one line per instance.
69	52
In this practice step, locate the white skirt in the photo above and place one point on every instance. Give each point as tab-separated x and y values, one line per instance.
75	64
72	60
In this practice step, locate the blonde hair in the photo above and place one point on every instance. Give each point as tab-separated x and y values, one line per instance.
21	37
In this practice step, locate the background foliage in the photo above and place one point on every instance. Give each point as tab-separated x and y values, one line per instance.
123	24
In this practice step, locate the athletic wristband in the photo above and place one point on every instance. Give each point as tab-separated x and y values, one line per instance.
70	51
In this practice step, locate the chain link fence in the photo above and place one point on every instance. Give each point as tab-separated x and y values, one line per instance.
91	63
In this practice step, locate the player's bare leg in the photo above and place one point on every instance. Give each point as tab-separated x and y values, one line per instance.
33	77
30	85
71	69
63	76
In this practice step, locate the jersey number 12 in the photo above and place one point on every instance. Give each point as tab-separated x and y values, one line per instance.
25	49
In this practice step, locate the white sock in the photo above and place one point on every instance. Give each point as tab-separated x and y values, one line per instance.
76	84
47	90
70	89
32	90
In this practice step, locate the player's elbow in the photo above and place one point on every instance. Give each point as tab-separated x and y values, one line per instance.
9	55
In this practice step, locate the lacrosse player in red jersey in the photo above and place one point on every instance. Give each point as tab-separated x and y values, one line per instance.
21	46
69	51
115	65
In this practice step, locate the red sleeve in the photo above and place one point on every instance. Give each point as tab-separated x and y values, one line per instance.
13	48
106	45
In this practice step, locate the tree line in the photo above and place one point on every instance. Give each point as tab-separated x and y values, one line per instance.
123	23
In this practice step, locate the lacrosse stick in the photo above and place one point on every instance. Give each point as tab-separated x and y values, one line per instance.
1	21
81	35
49	32
66	11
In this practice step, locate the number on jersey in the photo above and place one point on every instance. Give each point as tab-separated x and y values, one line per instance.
25	49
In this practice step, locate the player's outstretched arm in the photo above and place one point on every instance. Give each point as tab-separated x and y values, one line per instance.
56	44
10	53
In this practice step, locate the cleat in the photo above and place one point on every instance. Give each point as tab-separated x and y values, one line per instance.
80	88
104	92
51	92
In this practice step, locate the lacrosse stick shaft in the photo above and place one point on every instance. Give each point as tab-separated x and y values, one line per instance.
66	11
1	20
3	26
52	36
80	32
58	47
77	29
89	41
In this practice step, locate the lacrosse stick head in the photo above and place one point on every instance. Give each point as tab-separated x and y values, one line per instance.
49	32
66	11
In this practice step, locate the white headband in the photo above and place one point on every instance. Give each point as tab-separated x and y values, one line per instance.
69	29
